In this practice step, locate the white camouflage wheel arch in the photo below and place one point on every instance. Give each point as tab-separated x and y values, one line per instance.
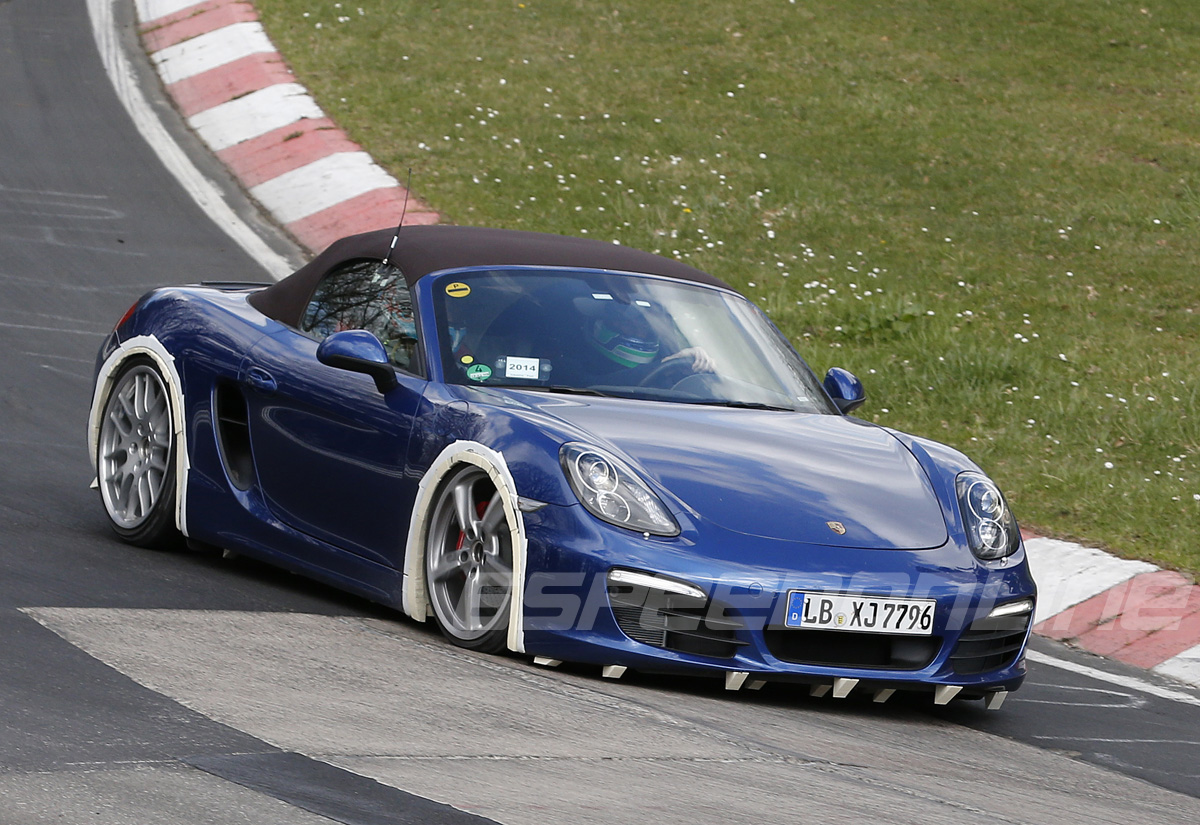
415	590
152	348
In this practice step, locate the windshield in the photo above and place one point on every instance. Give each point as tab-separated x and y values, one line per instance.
603	333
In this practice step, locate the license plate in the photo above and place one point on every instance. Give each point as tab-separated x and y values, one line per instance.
863	614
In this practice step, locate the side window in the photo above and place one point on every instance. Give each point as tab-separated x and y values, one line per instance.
365	295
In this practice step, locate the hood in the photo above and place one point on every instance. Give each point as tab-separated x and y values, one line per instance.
774	474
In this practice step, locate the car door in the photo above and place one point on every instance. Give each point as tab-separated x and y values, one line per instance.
329	448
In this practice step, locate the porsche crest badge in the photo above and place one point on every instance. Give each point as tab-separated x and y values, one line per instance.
837	527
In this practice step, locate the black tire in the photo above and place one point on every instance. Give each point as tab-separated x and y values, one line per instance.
135	457
468	561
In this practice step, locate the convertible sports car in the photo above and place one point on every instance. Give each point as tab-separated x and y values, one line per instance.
567	449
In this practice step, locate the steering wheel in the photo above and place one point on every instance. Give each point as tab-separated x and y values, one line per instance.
654	378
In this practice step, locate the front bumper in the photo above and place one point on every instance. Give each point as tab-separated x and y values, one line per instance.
732	625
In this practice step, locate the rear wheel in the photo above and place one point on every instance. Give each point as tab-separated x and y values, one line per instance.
468	561
135	457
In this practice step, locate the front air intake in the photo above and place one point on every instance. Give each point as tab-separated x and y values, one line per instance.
990	643
843	648
671	616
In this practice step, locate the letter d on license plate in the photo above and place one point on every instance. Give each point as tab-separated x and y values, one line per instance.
862	614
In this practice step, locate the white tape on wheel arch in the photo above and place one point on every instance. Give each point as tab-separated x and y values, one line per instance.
152	348
415	593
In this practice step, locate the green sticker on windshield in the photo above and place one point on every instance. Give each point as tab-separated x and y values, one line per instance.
479	372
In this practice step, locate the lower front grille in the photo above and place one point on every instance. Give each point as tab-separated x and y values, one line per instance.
841	648
674	621
989	644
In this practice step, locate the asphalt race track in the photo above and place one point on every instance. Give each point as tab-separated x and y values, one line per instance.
143	687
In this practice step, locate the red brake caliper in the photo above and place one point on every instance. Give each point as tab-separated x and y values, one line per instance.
480	509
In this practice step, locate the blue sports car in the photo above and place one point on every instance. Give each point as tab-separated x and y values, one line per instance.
567	449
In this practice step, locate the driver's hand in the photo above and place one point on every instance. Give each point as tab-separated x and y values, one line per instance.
698	359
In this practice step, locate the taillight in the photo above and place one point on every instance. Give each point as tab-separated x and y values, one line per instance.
128	314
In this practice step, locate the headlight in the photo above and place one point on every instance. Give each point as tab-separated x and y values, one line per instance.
611	491
992	531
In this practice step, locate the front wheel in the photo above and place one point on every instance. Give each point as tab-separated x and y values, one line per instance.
468	561
135	457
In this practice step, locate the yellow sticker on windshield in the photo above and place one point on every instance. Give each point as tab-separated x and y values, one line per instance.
458	290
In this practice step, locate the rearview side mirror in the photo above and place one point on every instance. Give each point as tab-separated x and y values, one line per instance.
845	389
357	350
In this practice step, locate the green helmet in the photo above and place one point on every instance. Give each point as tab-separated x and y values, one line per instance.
626	349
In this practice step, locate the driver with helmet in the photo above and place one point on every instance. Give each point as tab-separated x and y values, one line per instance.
625	335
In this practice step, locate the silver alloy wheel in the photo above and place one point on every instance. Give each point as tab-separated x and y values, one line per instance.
136	438
468	561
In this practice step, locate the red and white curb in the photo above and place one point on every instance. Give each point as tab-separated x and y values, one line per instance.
1127	610
236	92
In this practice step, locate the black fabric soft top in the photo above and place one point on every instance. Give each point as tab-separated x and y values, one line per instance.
422	250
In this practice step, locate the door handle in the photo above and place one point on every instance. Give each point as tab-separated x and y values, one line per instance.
260	379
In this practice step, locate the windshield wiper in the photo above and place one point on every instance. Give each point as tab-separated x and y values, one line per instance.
745	405
566	389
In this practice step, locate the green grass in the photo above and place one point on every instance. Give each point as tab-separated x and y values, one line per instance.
988	209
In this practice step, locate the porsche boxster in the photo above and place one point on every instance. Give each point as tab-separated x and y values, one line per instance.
567	449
